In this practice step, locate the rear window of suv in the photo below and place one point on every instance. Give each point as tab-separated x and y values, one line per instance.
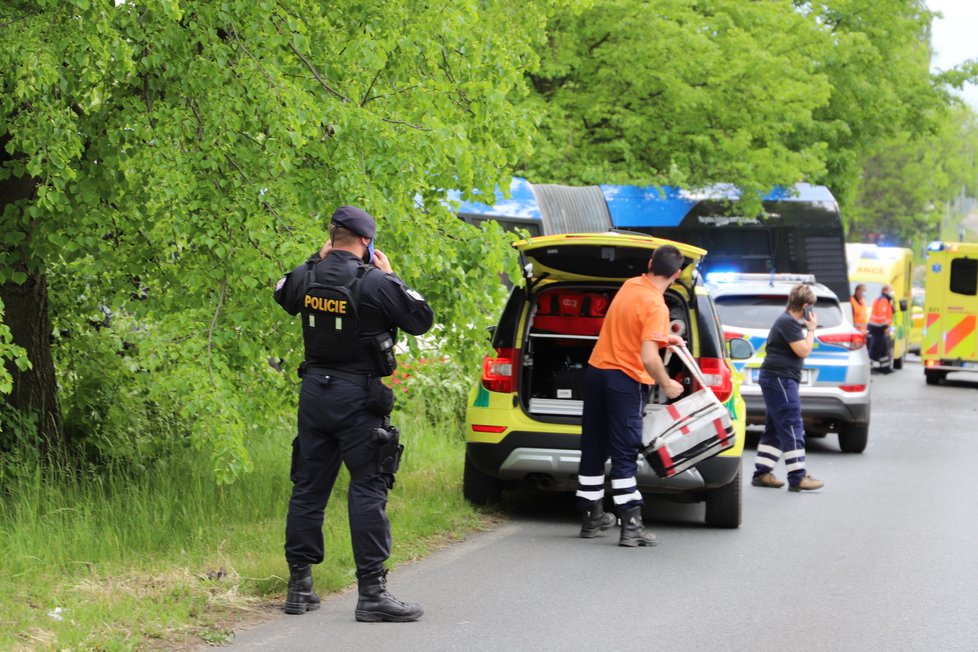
761	311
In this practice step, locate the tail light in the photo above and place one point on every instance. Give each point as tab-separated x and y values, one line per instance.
852	388
853	340
717	376
499	372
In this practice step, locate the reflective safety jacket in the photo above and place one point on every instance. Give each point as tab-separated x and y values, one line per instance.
882	314
860	314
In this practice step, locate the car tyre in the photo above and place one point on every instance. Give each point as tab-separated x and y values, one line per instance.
933	377
479	488
853	437
723	504
898	363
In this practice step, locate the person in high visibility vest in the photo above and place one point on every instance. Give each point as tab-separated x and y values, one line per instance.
860	311
879	327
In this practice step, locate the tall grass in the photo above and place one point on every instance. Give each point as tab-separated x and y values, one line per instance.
118	560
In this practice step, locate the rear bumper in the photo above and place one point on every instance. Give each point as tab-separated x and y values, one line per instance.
816	409
549	461
950	365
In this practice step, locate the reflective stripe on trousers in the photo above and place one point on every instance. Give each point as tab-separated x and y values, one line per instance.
784	431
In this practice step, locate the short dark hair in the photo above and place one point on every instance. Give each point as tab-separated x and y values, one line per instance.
801	295
666	261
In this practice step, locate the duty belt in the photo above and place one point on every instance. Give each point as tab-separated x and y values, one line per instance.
363	380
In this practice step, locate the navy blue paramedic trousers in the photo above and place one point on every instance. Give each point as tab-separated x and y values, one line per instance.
784	432
334	427
611	426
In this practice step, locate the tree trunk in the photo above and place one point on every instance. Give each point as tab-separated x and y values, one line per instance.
35	390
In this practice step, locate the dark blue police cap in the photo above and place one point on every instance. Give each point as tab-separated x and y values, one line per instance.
357	220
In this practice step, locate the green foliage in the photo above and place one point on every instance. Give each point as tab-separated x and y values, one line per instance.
433	389
12	353
908	183
187	153
679	93
163	558
876	58
751	93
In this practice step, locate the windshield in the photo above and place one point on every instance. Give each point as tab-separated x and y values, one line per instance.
761	311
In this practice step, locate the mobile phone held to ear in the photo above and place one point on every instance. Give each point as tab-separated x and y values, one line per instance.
809	312
370	252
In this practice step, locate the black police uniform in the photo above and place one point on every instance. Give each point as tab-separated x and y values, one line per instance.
334	422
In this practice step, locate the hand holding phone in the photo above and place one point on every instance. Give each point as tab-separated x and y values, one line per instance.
809	313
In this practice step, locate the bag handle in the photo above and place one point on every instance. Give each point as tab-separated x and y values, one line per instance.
687	359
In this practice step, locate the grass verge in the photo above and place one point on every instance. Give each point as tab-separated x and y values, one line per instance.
168	560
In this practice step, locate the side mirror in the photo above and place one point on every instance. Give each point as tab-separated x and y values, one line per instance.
903	305
492	331
739	348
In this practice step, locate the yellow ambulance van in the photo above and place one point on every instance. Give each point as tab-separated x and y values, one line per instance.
875	266
950	340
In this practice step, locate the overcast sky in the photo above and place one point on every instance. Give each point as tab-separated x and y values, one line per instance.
955	37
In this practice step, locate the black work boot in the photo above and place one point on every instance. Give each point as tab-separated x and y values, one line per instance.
300	598
376	605
633	533
594	520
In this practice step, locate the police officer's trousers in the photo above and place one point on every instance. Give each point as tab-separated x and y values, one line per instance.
611	426
334	427
784	431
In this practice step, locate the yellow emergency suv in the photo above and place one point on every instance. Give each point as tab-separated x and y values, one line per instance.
950	341
523	418
875	266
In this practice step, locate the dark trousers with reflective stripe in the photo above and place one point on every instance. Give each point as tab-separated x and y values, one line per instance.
784	431
879	344
335	428
611	426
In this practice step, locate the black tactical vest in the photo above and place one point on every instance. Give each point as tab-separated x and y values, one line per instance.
330	323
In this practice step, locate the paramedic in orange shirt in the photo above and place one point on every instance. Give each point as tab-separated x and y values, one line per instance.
624	363
860	311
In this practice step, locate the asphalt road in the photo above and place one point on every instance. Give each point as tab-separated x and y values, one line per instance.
885	557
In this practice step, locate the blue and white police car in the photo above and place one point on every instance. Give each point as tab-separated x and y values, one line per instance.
835	380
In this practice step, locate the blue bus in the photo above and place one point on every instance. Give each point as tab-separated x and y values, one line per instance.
799	231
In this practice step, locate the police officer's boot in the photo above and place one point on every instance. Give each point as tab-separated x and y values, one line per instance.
376	605
633	533
300	597
595	520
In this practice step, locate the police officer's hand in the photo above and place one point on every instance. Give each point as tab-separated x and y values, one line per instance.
673	388
325	249
382	262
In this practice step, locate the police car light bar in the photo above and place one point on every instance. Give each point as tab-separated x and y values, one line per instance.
733	277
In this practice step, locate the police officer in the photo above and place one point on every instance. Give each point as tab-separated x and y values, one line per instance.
351	305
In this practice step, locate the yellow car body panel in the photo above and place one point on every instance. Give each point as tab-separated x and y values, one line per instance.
950	338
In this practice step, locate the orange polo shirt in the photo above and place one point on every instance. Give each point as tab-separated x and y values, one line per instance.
638	313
